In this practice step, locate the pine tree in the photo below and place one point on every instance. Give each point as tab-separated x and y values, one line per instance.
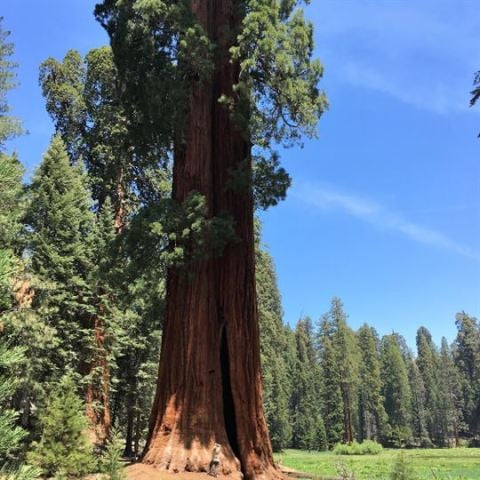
396	391
372	415
64	449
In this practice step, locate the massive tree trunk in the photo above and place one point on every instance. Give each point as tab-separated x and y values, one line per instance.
209	386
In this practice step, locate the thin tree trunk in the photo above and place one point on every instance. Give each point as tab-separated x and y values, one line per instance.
209	385
97	398
97	392
120	202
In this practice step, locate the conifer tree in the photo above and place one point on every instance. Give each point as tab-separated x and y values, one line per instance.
428	365
62	254
418	415
450	398
308	426
467	359
341	368
62	224
11	173
330	392
348	360
64	449
10	434
396	391
273	345
371	412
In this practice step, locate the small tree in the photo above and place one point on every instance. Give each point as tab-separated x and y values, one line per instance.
64	448
111	462
402	469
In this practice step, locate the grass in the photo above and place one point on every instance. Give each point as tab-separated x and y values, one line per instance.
428	464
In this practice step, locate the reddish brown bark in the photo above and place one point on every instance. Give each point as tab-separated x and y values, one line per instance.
209	386
97	391
120	202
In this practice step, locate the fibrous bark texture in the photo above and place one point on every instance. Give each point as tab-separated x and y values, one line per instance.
209	386
97	391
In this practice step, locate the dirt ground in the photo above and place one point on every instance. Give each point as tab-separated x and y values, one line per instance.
140	471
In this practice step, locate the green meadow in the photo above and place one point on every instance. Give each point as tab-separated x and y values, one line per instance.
431	464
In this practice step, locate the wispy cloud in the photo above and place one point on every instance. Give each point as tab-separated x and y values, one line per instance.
328	199
420	53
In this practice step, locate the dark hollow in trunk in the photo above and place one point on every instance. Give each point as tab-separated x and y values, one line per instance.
209	385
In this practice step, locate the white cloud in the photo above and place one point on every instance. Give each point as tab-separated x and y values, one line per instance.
420	53
327	199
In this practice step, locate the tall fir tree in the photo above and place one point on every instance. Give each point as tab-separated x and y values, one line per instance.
450	398
308	426
467	359
428	365
62	250
371	412
331	400
420	436
348	360
396	391
273	344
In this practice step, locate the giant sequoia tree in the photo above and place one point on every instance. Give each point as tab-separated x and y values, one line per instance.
220	83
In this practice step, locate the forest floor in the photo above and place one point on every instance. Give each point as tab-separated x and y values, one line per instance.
427	464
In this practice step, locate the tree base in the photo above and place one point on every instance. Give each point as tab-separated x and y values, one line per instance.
142	471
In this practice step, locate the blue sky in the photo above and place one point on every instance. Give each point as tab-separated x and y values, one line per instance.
385	207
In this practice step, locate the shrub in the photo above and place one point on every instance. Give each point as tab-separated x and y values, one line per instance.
63	449
401	469
368	447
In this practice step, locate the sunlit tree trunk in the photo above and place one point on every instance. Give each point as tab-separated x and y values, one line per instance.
209	386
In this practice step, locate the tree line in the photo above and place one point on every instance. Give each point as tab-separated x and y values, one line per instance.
327	384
